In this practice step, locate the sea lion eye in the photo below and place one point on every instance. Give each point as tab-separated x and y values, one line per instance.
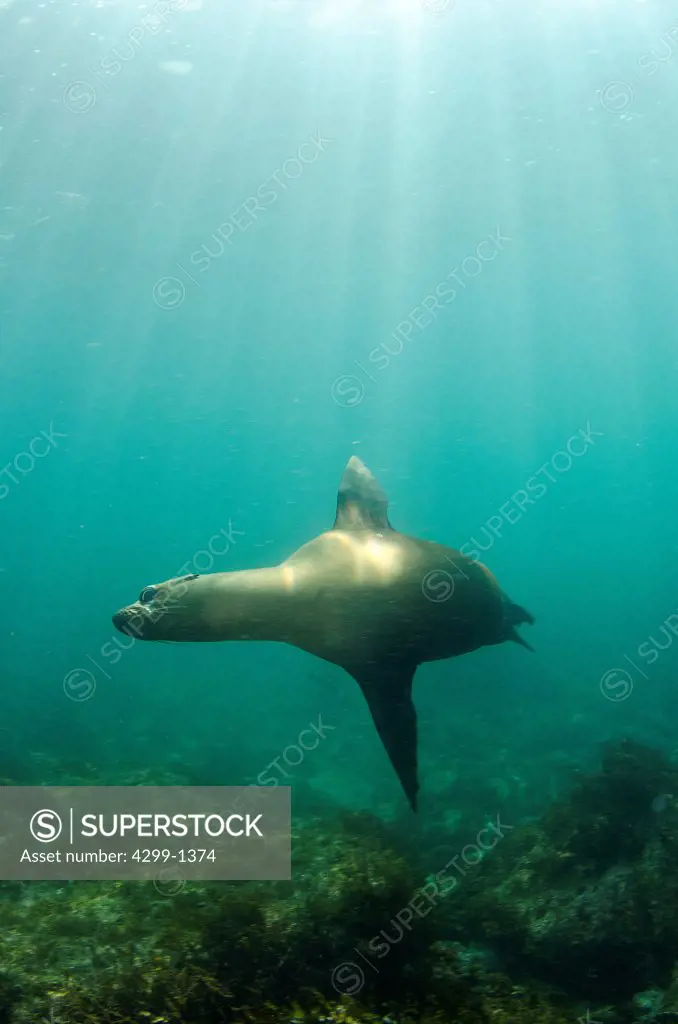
147	594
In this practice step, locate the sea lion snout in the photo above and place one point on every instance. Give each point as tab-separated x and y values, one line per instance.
163	611
129	621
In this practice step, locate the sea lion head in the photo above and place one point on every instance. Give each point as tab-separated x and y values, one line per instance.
164	611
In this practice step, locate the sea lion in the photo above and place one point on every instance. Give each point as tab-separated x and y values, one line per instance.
361	595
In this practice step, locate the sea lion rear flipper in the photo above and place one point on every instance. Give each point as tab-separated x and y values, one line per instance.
516	615
361	503
513	634
388	691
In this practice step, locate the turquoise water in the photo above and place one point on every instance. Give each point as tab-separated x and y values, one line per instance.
239	244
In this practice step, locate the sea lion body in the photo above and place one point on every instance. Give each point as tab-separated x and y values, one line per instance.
362	596
370	601
348	598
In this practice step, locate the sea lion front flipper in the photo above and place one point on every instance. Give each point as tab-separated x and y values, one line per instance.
388	691
361	503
